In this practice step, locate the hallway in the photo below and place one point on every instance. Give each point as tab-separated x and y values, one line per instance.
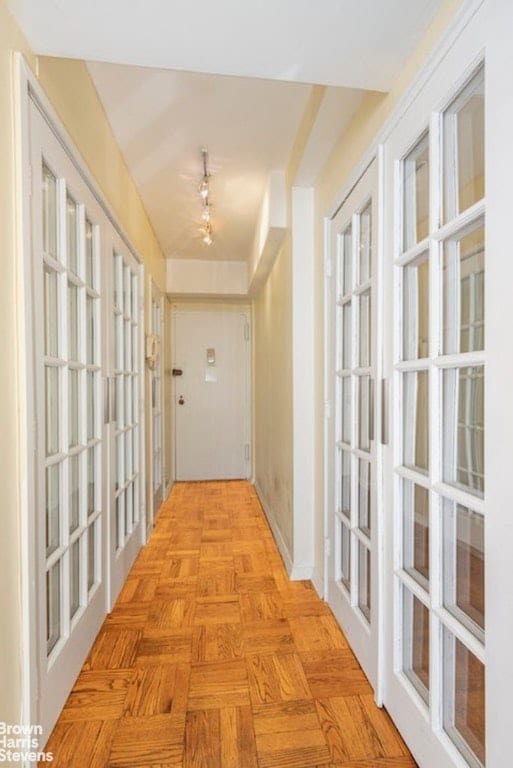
212	658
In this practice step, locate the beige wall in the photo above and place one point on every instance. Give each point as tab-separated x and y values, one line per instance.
272	355
72	94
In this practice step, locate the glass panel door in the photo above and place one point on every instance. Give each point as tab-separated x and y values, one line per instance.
436	680
353	567
156	403
69	449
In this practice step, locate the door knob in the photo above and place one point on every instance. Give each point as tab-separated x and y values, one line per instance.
181	401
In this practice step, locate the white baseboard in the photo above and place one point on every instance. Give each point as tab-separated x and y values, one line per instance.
318	582
295	572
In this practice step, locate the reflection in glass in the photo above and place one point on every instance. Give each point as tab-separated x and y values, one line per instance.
416	194
73	406
347	336
364	580
365	329
346	408
49	202
52	410
416	420
91	555
71	234
347	282
365	244
91	484
89	255
120	520
52	509
416	531
364	412
464	564
464	698
91	414
463	282
53	606
416	643
90	330
74	578
464	141
416	309
74	493
364	496
73	321
345	556
51	298
463	434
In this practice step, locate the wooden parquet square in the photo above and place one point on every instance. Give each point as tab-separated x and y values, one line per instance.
213	658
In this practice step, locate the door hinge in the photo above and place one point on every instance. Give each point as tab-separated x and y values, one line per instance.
246	452
327	547
246	331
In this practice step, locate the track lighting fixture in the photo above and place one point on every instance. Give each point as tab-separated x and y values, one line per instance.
204	190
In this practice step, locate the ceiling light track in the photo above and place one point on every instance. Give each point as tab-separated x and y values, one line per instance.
204	190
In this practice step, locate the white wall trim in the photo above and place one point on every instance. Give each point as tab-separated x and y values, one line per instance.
303	378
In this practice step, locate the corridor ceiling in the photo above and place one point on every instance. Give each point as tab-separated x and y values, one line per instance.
234	76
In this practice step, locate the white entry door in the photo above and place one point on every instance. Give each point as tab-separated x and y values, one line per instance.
353	565
211	393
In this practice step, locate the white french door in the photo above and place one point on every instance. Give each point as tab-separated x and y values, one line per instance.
70	521
85	318
156	474
435	479
353	566
125	368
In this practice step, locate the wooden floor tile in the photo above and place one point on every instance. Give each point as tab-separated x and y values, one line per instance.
213	658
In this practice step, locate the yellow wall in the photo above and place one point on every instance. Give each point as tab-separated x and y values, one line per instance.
71	92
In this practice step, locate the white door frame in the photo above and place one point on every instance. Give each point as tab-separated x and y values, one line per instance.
154	296
28	90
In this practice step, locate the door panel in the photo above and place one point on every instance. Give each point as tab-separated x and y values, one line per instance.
354	567
211	396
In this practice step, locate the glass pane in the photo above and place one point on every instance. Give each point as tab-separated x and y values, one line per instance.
51	313
73	406
91	555
464	698
463	278
118	282
53	606
90	330
128	454
416	194
346	483
91	481
416	643
364	580
52	410
347	336
416	420
91	411
120	520
52	509
464	564
73	321
120	352
127	292
464	138
416	309
134	297
416	531
74	492
49	202
128	345
89	255
74	578
365	330
119	401
135	502
364	496
345	556
364	412
347	282
120	455
366	244
71	234
128	510
463	432
346	408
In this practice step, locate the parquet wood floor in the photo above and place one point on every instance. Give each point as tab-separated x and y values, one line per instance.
212	658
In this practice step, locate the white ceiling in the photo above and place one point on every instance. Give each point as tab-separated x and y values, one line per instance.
232	75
